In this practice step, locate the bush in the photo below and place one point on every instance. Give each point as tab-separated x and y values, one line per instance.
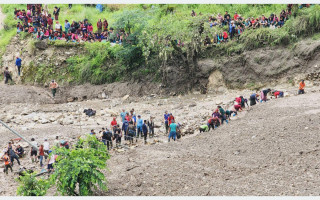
29	185
79	171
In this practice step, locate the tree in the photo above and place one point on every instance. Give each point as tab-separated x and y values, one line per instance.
79	171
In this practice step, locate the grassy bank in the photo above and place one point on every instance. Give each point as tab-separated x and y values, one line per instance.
154	28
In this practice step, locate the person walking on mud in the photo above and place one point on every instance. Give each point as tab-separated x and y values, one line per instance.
18	64
53	86
7	75
301	87
6	160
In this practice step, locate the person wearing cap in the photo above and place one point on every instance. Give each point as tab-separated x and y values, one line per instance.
139	126
18	64
301	87
53	86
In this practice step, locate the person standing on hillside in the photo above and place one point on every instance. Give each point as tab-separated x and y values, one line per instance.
56	12
18	64
99	26
123	115
7	75
53	86
301	87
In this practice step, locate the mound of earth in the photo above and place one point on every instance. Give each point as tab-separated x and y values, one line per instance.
272	150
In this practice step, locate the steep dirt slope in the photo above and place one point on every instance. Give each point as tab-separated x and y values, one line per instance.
273	150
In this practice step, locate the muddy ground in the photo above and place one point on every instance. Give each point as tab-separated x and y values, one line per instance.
269	150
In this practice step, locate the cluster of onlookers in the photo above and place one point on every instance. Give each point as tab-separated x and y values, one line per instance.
237	24
42	25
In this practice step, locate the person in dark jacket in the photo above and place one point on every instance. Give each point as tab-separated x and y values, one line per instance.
145	131
12	154
107	136
7	75
20	151
151	127
56	13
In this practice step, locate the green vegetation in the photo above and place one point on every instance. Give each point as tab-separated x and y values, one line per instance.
78	171
80	168
30	185
155	30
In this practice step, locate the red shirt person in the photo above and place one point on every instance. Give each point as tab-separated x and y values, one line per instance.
113	123
170	118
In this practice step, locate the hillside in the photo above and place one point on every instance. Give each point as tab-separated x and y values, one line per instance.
152	58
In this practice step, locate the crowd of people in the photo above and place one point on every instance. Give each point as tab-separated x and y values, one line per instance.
237	24
37	21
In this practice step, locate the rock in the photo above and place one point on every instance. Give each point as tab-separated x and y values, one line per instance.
52	119
125	97
193	105
44	121
35	118
112	113
70	99
103	95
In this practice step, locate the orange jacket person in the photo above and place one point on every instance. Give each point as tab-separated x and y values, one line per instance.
301	87
6	163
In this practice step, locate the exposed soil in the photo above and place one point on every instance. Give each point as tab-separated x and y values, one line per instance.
253	155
